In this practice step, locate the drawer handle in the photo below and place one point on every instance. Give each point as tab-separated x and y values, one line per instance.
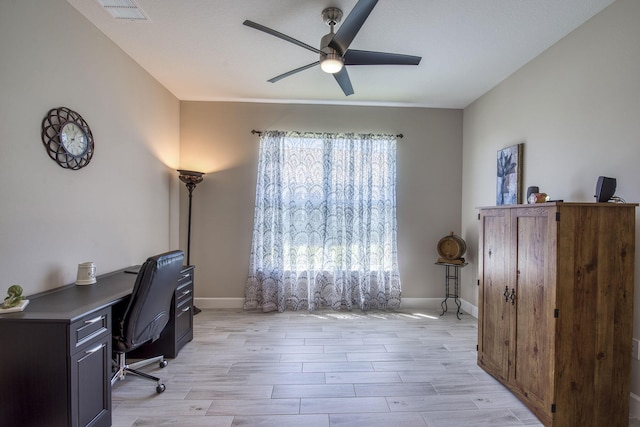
97	319
187	292
93	350
184	310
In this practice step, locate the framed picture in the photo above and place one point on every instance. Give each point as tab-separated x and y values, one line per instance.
509	177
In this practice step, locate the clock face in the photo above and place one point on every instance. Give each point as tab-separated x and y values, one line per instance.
73	139
67	138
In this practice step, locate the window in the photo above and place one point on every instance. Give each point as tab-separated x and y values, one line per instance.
325	222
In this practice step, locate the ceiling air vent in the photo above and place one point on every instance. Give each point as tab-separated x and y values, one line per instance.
123	9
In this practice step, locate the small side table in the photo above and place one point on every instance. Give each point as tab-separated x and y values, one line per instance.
452	275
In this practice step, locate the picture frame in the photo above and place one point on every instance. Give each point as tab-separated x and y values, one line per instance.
509	175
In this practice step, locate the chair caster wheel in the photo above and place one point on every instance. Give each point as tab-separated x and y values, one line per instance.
160	388
163	364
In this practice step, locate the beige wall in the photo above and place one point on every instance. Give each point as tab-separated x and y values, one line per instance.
216	138
123	206
577	109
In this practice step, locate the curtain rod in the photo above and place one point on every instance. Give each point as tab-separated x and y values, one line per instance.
259	133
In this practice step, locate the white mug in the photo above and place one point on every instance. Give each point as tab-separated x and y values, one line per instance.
86	273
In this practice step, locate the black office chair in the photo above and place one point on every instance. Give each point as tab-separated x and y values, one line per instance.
146	314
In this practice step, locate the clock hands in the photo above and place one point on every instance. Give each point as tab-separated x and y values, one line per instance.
73	139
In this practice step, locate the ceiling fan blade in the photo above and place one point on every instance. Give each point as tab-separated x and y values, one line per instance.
342	77
364	57
280	35
351	25
289	73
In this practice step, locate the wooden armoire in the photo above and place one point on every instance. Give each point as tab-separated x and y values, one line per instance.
556	308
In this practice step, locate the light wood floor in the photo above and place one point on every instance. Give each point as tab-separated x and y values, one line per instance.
326	369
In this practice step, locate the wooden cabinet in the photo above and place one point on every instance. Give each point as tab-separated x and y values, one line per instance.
179	330
184	309
56	373
55	359
556	308
90	391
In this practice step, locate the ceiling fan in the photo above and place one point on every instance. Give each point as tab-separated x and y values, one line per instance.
334	47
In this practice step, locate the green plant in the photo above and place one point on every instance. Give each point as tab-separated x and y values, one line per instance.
14	296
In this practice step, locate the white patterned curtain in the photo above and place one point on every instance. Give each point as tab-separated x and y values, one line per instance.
325	231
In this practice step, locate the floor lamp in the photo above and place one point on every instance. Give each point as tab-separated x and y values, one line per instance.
191	179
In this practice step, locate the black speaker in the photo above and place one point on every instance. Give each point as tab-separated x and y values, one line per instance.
605	189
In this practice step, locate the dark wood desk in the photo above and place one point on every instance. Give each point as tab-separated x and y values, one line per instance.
55	357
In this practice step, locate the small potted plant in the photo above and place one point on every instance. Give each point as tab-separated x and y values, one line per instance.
14	299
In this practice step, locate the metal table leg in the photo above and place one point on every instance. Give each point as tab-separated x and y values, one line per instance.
455	278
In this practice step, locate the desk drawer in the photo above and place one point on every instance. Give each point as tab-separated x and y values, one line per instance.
179	330
185	277
184	316
90	327
184	293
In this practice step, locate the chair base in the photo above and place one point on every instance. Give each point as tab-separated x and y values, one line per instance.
122	368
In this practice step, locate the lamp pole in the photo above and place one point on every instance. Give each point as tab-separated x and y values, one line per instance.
191	179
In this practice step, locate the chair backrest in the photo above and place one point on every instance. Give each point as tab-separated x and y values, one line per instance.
149	307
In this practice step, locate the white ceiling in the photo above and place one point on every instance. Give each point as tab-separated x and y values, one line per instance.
199	49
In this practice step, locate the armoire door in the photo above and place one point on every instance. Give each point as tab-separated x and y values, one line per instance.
494	281
533	245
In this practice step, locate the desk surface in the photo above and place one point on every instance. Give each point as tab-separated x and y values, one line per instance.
68	303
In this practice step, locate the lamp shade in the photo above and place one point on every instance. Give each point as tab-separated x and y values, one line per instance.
331	63
190	177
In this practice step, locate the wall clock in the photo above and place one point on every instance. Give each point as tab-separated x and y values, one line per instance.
67	138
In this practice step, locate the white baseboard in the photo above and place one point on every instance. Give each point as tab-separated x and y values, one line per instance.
219	302
407	303
634	406
435	304
467	307
420	303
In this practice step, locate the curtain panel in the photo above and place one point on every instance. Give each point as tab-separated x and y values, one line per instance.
325	229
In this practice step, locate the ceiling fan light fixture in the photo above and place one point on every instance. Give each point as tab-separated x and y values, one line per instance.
334	46
331	63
